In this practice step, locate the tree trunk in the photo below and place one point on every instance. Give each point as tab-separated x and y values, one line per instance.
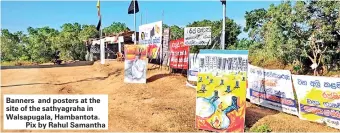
315	72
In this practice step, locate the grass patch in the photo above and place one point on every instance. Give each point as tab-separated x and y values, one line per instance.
262	128
332	73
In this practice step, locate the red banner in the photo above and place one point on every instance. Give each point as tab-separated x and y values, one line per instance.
179	54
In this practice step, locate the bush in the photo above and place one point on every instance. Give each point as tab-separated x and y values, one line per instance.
261	128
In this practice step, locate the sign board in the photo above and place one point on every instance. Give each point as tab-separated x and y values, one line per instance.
179	54
151	35
272	89
197	36
318	99
135	63
193	67
165	48
221	90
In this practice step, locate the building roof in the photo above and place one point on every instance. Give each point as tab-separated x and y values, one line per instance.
127	36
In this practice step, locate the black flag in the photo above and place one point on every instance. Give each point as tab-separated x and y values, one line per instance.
223	1
99	24
152	32
130	10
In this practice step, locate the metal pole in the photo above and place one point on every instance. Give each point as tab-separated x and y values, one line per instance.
134	10
223	25
146	17
102	49
161	55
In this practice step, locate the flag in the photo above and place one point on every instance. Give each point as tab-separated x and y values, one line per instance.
223	1
152	32
98	7
131	7
99	24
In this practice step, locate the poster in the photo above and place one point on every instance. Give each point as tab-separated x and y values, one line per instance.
319	99
197	36
135	63
151	35
272	89
193	67
221	90
165	47
179	54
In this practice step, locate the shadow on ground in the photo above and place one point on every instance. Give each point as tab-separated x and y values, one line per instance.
255	113
159	76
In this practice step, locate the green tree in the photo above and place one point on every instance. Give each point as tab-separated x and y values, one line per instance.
115	27
88	31
9	45
283	31
40	42
242	44
176	32
70	43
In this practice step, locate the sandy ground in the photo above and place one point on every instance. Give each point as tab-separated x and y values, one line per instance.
163	104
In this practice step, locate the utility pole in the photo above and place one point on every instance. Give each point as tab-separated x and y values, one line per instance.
161	55
146	17
224	5
134	13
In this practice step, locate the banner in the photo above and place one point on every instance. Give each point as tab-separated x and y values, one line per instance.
319	99
272	89
151	35
221	90
165	48
197	36
179	54
193	67
135	63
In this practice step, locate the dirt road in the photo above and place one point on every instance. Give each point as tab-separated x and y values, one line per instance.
163	104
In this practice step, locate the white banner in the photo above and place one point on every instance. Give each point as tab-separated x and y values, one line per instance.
151	34
272	89
165	49
193	67
319	99
197	36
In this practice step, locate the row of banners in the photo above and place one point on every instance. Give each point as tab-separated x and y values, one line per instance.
152	35
225	80
151	44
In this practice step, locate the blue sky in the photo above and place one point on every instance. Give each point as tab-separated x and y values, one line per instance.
19	15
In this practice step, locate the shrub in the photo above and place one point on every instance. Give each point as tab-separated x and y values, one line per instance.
262	129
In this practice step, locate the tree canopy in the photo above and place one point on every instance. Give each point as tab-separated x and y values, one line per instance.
305	33
301	33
